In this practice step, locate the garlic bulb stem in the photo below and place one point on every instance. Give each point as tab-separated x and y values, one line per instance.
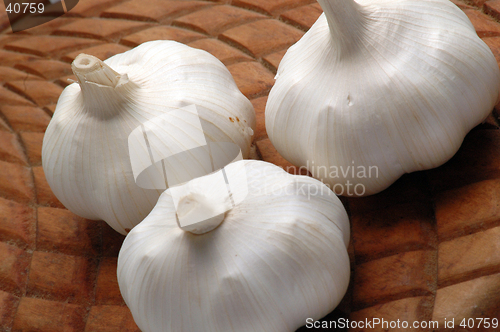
346	20
195	207
201	208
100	85
89	69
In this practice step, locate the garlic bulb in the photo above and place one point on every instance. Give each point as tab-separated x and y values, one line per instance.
379	88
277	257
88	153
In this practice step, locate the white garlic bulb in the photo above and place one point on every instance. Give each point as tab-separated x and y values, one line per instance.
86	155
277	257
379	88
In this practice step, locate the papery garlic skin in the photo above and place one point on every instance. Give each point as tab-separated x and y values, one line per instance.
278	258
85	151
393	85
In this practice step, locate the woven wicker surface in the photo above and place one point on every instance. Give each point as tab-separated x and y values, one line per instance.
425	249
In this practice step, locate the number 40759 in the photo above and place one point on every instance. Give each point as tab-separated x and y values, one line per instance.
479	322
25	7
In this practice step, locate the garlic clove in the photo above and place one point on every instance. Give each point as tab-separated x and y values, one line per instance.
277	258
376	89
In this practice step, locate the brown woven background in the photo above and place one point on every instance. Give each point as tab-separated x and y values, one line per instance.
428	248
